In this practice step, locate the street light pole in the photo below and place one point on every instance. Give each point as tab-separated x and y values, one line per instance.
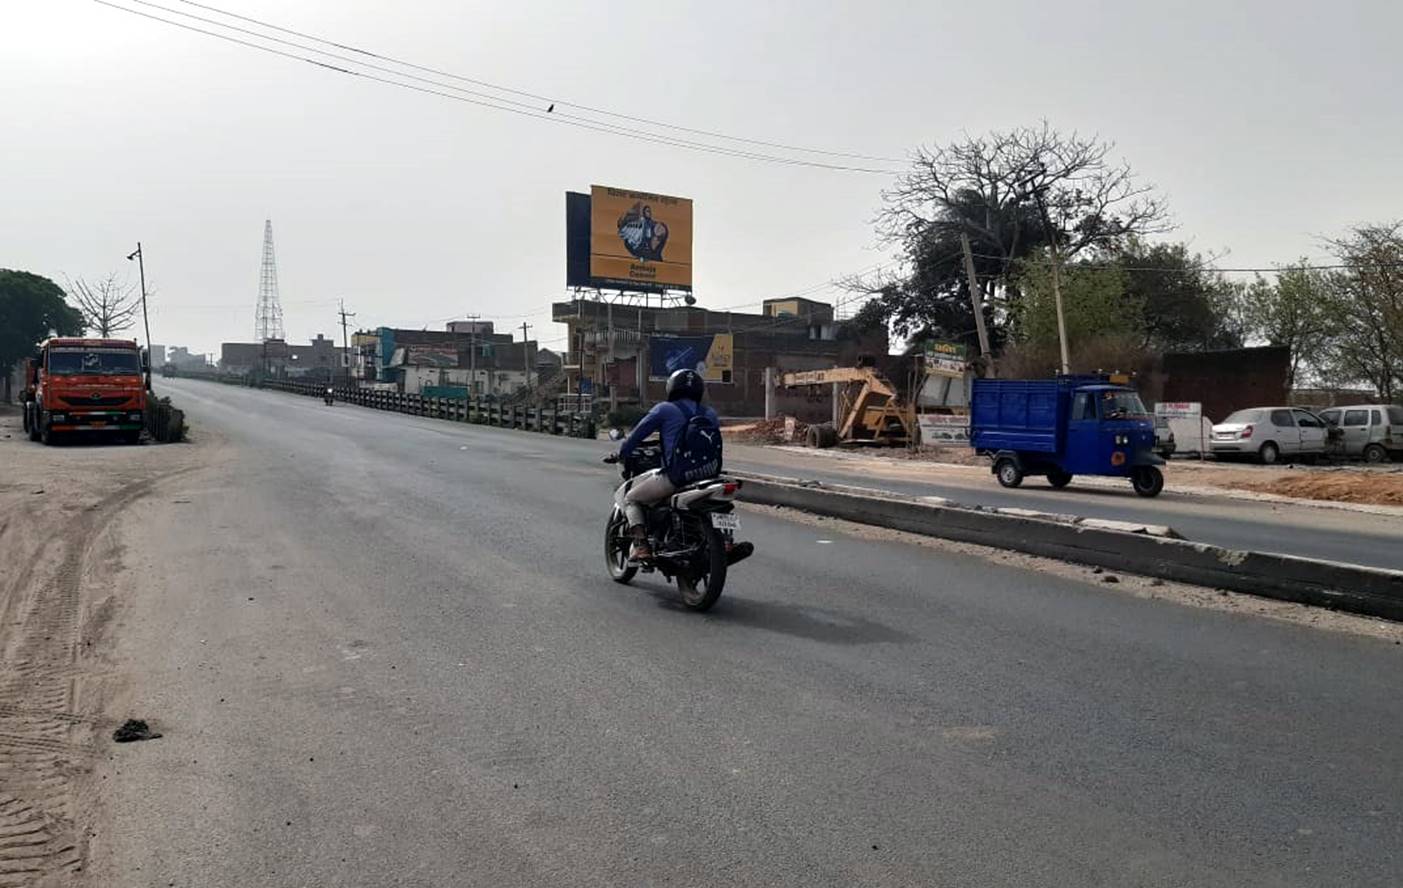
145	320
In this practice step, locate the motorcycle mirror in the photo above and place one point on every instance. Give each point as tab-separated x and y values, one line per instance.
615	434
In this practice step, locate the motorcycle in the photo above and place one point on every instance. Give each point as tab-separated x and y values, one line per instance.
691	533
326	396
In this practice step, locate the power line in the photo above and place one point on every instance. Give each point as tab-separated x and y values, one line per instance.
536	96
479	99
1275	269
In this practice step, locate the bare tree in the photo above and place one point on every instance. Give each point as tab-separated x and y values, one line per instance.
988	188
109	304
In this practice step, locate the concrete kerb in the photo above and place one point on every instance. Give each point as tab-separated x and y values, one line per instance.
1374	592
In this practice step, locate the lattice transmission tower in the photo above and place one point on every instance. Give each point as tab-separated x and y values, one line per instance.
268	323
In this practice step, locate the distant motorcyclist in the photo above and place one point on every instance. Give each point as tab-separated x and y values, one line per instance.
691	452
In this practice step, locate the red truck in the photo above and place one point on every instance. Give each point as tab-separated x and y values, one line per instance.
85	386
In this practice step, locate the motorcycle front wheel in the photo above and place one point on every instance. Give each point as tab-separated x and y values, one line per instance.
616	546
702	583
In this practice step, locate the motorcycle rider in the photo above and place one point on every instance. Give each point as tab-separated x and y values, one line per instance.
671	419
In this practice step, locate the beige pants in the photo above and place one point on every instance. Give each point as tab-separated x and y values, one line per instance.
642	490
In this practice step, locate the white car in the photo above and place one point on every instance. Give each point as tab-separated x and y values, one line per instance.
1371	431
1269	434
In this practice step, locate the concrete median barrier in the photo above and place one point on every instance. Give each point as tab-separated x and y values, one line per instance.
1148	550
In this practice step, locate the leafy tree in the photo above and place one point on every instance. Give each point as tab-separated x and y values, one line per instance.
1185	304
1094	302
1367	306
1300	310
31	308
988	188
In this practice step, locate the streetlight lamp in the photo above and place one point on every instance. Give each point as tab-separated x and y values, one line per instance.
145	320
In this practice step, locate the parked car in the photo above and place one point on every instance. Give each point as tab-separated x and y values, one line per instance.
1269	434
1164	437
1368	430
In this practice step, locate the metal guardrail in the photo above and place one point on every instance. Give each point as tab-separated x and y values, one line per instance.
546	420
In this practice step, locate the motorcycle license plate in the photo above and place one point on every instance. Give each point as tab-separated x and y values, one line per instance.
725	521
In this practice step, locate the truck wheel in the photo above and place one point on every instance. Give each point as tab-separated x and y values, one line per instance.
1059	479
1147	481
1008	473
33	425
1374	453
1269	454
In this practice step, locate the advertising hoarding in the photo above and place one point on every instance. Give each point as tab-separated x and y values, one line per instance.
943	430
640	238
1179	409
712	356
946	357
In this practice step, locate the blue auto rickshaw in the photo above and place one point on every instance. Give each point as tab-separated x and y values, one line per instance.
1066	426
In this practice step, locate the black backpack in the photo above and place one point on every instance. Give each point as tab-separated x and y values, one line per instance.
696	454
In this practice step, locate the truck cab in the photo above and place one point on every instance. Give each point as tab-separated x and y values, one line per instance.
86	386
1062	427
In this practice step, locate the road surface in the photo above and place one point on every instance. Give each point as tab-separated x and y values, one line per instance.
383	651
1312	532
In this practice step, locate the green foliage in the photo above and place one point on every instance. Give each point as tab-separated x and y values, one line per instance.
625	416
1187	306
1299	310
31	308
1366	306
1095	304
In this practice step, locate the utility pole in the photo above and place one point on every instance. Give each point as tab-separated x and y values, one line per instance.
1056	278
145	320
976	297
525	354
609	362
345	343
472	354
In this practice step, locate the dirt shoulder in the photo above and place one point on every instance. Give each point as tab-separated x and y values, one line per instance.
63	580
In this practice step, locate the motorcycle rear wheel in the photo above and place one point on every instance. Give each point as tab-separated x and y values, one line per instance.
616	545
701	590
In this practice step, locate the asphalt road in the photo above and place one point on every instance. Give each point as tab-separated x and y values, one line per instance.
384	651
1311	532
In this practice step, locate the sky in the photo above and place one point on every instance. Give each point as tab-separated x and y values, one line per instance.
1266	125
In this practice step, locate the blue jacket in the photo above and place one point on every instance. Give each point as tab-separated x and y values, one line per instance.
670	419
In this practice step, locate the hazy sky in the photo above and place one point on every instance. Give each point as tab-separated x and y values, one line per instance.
1266	124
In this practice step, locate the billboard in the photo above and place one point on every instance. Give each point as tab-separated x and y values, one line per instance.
946	357
640	239
943	430
712	356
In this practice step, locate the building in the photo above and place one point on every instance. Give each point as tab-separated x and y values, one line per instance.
468	357
625	351
158	356
321	358
182	359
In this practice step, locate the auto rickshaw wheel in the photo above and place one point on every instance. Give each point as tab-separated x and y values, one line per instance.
1147	480
1008	472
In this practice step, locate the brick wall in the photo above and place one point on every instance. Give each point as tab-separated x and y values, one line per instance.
1224	381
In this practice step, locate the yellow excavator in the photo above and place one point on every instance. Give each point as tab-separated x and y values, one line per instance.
870	411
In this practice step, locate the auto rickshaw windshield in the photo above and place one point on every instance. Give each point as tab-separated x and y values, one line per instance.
1121	404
